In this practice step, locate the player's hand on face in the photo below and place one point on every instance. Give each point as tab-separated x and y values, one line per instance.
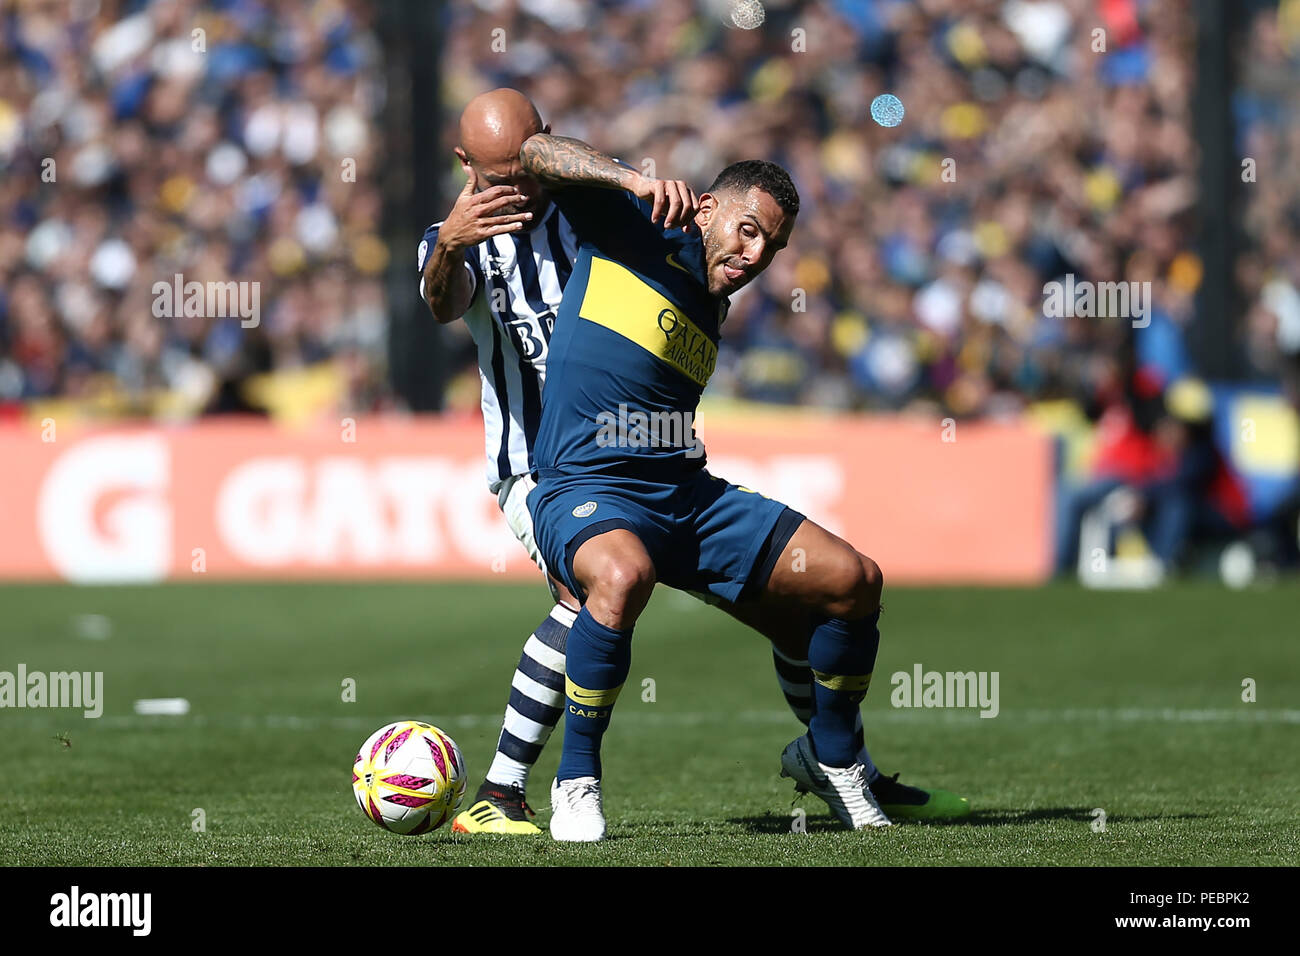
673	201
480	215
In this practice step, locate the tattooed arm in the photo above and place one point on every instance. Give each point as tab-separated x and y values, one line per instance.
565	161
560	161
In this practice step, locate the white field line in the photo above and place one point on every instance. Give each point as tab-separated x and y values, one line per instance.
1247	714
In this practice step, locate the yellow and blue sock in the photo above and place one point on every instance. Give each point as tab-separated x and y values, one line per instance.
842	655
796	682
597	662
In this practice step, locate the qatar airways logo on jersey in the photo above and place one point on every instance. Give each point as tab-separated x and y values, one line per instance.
634	429
687	347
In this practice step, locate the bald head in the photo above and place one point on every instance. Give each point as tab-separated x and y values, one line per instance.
492	128
495	124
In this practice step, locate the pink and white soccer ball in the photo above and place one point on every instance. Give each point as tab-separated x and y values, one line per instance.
409	777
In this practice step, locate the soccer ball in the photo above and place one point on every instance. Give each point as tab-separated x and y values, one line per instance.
409	777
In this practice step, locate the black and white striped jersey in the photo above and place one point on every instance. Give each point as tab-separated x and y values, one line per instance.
518	280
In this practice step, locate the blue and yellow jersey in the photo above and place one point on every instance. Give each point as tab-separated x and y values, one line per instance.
636	335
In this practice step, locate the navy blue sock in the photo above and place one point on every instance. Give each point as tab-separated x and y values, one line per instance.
842	655
597	662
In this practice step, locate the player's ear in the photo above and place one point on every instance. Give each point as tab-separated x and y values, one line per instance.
707	207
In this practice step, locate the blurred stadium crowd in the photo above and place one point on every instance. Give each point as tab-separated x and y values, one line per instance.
921	286
1042	138
141	140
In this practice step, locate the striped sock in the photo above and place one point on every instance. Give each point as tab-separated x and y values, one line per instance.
536	700
796	680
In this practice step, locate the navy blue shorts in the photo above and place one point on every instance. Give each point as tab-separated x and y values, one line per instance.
703	534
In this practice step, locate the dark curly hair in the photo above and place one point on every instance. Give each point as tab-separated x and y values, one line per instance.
769	177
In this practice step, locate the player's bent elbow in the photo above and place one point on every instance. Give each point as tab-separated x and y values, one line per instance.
530	152
445	312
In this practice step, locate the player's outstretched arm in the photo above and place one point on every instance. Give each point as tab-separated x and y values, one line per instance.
560	161
475	216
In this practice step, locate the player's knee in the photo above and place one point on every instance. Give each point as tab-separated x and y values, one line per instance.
623	584
874	584
855	583
630	574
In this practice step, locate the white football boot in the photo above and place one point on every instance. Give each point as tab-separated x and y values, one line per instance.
577	814
844	789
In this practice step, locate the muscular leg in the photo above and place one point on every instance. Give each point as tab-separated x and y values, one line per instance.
618	576
615	570
788	628
790	631
536	696
822	573
536	689
828	582
824	576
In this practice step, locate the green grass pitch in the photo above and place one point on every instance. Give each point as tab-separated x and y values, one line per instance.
1131	703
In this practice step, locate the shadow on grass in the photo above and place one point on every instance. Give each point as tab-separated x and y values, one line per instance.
817	822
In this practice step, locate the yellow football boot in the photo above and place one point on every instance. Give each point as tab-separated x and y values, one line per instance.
497	809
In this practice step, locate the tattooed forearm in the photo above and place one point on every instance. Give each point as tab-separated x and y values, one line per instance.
561	160
446	284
